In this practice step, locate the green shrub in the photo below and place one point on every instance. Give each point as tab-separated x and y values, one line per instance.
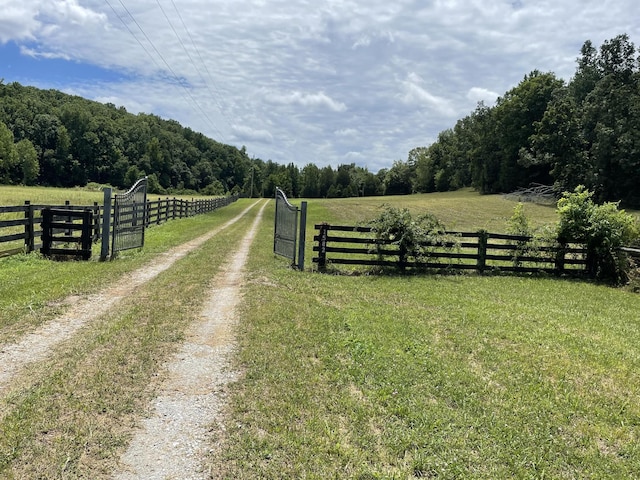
414	237
539	237
602	228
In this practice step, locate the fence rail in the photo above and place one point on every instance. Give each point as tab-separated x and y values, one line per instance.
481	251
59	228
21	225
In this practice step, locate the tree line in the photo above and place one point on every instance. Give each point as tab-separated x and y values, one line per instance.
548	131
544	130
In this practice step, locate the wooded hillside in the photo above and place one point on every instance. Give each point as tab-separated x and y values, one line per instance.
64	140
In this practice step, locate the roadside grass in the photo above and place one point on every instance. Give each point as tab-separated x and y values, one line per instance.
73	415
32	287
433	376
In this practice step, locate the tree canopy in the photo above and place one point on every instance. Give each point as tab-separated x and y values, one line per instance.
544	130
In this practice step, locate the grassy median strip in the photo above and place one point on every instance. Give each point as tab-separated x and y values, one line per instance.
71	416
432	377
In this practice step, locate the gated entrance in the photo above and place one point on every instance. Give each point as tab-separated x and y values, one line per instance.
285	238
129	218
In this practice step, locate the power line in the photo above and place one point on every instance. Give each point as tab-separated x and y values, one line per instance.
133	35
218	99
186	51
169	68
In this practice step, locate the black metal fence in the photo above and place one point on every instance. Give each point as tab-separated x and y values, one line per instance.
129	218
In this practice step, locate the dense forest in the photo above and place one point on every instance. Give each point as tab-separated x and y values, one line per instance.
544	130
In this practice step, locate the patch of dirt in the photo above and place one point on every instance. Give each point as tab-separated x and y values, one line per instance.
172	442
36	346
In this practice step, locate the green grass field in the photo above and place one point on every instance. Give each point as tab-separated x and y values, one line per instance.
432	376
363	377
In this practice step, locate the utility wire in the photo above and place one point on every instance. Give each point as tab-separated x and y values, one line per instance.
134	36
219	97
185	50
175	76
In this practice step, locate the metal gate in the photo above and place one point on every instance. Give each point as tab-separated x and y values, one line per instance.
285	238
129	218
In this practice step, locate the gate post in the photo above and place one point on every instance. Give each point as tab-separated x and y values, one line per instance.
322	247
303	235
106	225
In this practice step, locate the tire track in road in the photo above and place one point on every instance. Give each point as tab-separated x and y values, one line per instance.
36	346
172	443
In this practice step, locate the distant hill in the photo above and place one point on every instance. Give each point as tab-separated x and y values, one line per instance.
50	138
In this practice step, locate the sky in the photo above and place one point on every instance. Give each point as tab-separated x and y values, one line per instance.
302	81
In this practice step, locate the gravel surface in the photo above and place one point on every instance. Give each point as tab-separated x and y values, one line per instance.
37	345
172	442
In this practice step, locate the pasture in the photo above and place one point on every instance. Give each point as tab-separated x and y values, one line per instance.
364	377
461	376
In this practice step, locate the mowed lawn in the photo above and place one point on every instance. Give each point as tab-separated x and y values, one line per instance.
460	376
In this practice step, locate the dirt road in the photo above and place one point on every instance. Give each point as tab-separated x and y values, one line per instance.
172	442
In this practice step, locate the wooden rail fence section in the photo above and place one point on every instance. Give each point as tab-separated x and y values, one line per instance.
480	251
21	225
59	227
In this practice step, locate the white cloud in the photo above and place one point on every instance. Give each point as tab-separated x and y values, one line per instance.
415	94
353	156
244	133
17	21
312	100
477	94
346	132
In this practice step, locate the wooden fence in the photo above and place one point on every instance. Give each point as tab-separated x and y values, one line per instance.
21	225
59	228
480	251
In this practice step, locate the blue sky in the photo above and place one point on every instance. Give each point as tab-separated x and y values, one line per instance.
328	82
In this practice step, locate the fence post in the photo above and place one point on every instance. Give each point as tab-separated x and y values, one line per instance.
87	228
322	247
560	256
46	231
106	225
483	237
67	206
303	235
29	230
